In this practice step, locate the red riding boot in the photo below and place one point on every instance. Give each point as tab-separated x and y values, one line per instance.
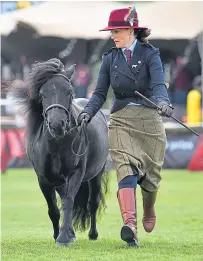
127	203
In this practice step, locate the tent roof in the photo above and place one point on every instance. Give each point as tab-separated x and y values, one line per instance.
173	19
168	20
64	19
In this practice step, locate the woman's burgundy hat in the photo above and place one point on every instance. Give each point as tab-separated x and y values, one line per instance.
123	18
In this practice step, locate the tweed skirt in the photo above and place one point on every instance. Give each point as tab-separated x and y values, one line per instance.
137	142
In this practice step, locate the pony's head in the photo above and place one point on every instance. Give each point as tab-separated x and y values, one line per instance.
51	86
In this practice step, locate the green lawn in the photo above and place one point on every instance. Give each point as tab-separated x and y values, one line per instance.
178	236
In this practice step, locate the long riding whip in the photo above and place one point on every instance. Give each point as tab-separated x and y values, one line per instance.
158	107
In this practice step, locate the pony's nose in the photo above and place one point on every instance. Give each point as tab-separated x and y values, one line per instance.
57	127
57	124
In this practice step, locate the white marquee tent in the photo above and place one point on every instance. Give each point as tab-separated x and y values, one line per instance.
64	19
172	19
168	20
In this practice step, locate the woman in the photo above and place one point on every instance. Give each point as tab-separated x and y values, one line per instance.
137	137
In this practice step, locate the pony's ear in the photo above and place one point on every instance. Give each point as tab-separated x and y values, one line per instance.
70	71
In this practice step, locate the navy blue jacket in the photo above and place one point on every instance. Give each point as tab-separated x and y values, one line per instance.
145	74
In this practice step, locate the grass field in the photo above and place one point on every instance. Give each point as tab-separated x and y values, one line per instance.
178	236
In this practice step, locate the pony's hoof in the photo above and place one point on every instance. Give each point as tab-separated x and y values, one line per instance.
93	236
62	244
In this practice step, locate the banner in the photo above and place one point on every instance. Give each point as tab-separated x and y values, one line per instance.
184	151
12	149
179	150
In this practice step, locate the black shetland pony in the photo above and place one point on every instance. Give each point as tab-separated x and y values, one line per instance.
52	143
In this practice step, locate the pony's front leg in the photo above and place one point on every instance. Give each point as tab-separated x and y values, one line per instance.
66	233
53	211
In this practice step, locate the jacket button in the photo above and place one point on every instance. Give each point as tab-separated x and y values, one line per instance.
115	66
116	76
117	85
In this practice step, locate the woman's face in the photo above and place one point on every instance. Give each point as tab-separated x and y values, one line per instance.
122	37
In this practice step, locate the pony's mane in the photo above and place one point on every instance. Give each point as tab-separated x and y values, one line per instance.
41	72
27	94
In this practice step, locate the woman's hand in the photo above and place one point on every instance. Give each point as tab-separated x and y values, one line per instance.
165	110
83	116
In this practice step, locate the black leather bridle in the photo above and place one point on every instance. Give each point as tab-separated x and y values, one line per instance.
57	105
82	130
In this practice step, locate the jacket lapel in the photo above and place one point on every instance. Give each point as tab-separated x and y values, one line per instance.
119	64
137	59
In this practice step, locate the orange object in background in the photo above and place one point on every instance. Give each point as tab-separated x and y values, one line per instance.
196	162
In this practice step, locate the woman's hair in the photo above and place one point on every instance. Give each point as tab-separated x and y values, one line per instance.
142	35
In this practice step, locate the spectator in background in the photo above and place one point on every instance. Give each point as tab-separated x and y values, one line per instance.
81	80
182	84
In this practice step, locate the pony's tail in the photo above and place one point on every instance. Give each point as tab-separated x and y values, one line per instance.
81	214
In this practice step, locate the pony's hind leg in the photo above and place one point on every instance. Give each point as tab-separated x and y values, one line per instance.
53	211
93	203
